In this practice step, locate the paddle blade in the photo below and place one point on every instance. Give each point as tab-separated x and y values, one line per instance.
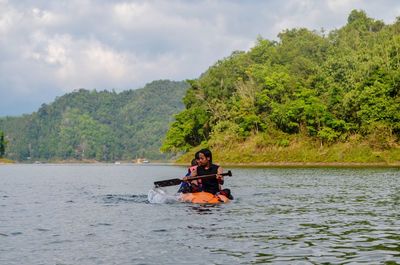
168	182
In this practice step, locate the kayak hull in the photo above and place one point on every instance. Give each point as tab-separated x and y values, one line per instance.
203	198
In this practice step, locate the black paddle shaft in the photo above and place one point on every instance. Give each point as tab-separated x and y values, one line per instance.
173	182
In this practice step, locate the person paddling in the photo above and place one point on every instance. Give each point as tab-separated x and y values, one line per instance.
206	167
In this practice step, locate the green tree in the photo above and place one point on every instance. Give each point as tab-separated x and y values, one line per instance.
323	86
99	125
2	144
188	130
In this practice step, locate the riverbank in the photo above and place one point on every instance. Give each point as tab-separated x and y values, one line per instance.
88	161
299	152
6	161
311	165
305	165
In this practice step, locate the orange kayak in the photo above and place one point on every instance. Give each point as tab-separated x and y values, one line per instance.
203	197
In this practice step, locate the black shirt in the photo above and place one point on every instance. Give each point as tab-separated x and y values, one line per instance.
210	185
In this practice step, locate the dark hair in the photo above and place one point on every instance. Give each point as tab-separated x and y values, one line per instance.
207	153
197	155
194	162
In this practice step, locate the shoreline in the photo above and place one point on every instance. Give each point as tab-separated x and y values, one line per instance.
307	165
5	161
229	164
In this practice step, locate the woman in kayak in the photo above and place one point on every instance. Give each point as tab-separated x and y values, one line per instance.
206	167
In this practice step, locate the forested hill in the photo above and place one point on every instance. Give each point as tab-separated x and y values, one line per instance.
103	125
310	96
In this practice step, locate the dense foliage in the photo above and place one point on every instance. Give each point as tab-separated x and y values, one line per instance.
326	87
104	125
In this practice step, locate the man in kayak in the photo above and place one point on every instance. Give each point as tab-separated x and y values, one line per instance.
206	167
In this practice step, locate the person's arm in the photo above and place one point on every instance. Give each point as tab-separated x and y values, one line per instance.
220	178
194	173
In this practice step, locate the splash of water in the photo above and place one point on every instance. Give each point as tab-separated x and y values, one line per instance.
157	195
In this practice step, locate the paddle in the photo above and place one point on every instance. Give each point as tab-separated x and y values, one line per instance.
173	182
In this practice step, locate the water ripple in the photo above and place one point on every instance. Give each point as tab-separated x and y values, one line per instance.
116	199
95	214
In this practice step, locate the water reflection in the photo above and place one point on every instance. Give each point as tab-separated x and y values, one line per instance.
203	209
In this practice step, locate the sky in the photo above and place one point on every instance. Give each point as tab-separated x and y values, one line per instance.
49	48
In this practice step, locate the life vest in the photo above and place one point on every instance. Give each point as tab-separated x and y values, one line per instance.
197	187
211	185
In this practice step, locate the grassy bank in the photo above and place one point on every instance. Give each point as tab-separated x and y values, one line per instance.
297	151
6	161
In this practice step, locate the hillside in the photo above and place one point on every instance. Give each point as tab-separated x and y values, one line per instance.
308	97
100	125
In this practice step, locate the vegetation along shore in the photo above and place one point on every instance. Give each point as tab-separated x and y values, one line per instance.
308	98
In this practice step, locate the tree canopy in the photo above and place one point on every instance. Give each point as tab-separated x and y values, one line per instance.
100	125
2	144
326	87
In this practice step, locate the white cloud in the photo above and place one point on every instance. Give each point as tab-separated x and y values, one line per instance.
129	14
8	18
48	48
105	60
340	5
44	17
94	64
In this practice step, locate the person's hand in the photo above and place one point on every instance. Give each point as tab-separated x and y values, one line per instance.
185	179
220	177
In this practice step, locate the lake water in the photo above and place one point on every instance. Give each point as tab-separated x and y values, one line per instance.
99	214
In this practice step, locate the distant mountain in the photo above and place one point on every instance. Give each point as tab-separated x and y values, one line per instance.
100	125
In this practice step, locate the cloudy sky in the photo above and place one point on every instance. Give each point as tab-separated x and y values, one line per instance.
49	48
